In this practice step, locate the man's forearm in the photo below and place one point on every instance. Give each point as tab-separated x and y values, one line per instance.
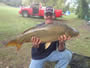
61	46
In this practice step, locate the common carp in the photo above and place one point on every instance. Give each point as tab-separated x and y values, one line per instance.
46	33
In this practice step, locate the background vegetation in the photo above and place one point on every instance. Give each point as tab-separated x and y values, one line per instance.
81	7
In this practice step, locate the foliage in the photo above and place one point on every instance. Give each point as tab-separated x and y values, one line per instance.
82	9
66	8
88	1
57	4
14	3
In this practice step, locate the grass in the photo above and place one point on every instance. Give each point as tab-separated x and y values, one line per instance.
12	24
81	43
71	16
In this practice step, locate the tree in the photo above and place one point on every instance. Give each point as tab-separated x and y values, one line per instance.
60	4
82	9
56	4
66	8
26	2
14	3
88	1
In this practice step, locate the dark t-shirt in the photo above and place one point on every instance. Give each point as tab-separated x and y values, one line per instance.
41	52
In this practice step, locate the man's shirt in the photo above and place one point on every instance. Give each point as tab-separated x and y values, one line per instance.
41	52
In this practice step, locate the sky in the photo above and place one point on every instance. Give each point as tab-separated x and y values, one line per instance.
68	1
72	4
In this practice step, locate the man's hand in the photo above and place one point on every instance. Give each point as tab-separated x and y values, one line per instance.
62	40
35	41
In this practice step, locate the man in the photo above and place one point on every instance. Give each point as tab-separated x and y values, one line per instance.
40	54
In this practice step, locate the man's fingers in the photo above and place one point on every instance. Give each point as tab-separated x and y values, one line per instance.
69	38
61	38
39	42
36	41
65	38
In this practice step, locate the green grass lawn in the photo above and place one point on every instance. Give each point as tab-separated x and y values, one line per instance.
12	24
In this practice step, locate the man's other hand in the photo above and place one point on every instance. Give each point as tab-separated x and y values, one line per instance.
62	40
35	41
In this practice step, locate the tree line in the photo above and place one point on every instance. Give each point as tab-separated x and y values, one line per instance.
82	8
14	3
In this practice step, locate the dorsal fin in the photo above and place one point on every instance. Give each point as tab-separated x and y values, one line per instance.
28	29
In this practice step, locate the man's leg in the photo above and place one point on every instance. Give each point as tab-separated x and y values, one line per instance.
37	63
63	58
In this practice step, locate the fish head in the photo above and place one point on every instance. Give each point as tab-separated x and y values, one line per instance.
73	32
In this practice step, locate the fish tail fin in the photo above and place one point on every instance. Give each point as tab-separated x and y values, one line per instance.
14	43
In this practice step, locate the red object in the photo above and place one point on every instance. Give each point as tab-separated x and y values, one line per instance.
37	10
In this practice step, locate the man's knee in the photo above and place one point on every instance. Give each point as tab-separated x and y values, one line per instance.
68	55
36	63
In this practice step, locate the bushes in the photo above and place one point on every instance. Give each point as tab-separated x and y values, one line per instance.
82	9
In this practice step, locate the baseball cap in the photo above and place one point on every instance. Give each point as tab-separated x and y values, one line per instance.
49	9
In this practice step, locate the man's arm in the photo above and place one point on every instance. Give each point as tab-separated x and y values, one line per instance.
62	39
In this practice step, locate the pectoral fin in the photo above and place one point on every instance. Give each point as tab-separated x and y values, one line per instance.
47	45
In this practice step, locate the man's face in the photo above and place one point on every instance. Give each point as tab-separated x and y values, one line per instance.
48	17
48	14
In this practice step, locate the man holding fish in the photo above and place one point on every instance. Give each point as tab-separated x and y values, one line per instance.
50	51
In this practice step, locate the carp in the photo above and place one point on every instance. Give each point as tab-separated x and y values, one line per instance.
46	33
